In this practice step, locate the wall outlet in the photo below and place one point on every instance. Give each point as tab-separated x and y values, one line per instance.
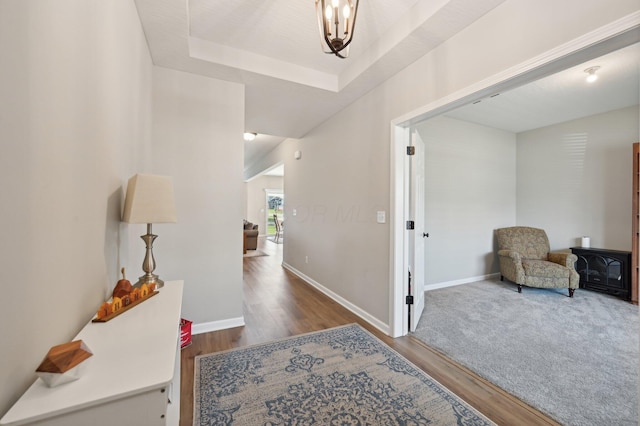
381	216
306	259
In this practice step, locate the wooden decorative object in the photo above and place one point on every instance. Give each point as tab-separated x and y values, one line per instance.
124	309
61	365
123	287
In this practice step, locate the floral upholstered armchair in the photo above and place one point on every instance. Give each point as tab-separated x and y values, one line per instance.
525	259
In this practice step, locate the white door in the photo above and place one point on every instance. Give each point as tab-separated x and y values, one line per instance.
417	236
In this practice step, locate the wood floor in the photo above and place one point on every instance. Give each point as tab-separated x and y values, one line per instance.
278	304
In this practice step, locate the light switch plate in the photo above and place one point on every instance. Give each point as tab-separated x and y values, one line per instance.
382	217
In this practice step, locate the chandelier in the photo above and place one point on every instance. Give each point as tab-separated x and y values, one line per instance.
336	20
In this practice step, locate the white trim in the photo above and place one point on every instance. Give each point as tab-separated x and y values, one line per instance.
335	297
400	138
261	64
206	327
610	37
454	283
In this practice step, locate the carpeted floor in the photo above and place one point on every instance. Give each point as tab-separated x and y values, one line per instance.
340	376
575	359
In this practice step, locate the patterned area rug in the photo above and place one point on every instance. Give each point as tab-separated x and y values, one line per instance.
340	376
254	253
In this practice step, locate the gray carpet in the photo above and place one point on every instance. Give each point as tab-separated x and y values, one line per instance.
575	359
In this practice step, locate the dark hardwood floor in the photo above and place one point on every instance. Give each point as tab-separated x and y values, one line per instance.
278	304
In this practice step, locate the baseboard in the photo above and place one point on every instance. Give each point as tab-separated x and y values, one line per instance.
338	299
453	283
206	327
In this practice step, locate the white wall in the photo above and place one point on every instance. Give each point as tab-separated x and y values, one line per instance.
344	171
470	185
197	138
256	199
575	179
75	120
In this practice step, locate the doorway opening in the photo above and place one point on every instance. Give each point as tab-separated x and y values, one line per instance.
274	210
608	39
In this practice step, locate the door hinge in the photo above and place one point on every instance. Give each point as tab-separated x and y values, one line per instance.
409	300
411	150
411	224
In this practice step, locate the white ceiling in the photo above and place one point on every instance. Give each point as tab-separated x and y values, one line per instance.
273	48
563	96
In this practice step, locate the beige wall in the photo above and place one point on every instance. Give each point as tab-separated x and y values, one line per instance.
256	199
75	121
470	190
574	179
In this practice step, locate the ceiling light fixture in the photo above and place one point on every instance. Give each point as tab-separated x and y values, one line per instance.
592	74
336	22
249	136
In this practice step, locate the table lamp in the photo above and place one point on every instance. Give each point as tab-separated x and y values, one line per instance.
149	200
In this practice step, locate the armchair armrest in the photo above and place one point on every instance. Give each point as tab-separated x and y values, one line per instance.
511	265
512	254
563	258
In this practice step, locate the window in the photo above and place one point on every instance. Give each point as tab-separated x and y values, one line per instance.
275	205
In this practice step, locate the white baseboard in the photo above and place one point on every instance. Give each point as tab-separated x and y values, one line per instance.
453	283
335	297
217	325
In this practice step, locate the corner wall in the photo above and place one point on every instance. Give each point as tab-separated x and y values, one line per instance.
470	185
197	139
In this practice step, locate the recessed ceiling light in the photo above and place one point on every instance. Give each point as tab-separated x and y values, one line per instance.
250	136
592	74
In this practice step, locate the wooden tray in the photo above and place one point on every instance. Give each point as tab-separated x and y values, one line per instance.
124	308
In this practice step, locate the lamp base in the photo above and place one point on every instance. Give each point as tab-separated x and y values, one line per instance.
149	263
148	279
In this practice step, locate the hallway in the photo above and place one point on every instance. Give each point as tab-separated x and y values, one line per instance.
278	304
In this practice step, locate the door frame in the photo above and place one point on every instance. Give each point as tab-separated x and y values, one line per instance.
613	36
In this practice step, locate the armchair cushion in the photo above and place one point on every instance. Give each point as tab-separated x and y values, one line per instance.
545	269
531	243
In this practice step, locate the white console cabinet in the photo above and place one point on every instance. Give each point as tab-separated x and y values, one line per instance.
133	377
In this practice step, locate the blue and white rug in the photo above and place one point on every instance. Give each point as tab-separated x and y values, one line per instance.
340	376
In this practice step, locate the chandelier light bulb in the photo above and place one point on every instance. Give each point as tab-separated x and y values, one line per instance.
336	22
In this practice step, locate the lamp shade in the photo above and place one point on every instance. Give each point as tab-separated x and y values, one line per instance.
149	199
